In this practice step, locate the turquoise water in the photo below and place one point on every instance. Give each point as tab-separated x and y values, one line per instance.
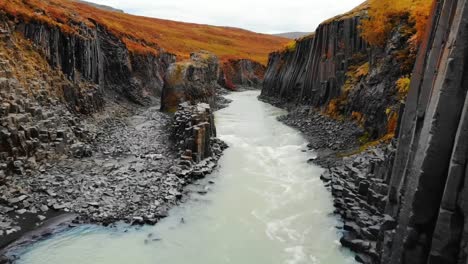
268	206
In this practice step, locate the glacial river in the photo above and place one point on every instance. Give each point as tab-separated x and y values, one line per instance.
267	206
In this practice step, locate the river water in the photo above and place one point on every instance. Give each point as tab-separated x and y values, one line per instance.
267	206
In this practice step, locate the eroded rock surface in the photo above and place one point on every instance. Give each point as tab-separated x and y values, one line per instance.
191	81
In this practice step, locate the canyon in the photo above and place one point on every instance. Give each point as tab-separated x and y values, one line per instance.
99	127
401	202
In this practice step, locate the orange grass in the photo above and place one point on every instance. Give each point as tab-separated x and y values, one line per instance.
383	14
147	35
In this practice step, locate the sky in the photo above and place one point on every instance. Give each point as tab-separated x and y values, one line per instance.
263	16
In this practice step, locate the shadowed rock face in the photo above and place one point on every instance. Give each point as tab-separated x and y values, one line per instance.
428	195
322	70
101	58
235	74
192	81
315	71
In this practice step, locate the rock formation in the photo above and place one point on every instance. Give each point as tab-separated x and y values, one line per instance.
39	106
198	79
241	73
428	195
194	81
337	71
194	132
314	71
405	204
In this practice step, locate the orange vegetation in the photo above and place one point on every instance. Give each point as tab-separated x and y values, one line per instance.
143	34
333	109
384	14
392	123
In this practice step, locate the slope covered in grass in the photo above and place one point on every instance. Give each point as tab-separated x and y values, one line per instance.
148	35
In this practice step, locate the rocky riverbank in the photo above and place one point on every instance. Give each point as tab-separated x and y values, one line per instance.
135	171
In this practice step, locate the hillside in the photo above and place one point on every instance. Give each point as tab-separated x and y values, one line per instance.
292	35
147	35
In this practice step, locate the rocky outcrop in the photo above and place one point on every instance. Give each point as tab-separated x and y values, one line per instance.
241	73
338	72
199	79
195	133
360	186
192	81
428	188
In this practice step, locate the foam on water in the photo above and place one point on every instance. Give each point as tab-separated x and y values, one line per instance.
268	206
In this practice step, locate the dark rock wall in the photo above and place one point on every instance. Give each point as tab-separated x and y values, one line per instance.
314	71
323	68
99	57
242	73
428	192
35	125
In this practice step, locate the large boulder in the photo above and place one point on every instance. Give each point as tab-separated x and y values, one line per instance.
193	131
194	80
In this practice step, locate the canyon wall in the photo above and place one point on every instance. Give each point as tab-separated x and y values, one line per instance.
97	56
241	73
337	71
428	193
314	71
405	204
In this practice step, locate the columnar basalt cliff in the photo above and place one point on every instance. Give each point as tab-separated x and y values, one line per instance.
428	186
314	70
336	70
99	57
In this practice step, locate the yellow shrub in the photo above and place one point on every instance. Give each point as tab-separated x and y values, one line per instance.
403	85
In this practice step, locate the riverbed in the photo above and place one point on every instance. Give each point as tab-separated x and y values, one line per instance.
264	205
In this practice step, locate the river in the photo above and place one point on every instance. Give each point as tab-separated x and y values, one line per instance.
267	206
